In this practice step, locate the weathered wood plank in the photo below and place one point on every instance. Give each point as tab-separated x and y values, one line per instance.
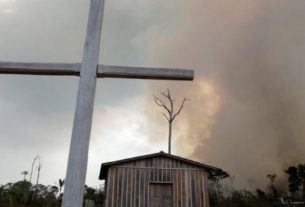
133	179
89	203
206	191
24	68
144	73
159	168
78	154
73	69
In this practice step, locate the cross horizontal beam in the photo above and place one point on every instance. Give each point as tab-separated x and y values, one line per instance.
39	68
103	71
144	73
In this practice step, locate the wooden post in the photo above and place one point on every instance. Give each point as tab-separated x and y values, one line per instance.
78	154
89	203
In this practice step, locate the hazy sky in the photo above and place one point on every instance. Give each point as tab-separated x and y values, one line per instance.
37	112
247	100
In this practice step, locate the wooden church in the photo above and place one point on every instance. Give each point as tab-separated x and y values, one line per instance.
157	180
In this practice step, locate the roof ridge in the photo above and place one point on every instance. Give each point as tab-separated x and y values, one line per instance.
211	169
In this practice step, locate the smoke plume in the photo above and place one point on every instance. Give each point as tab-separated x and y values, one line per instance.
248	99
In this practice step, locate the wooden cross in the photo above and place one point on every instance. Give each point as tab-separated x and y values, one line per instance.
88	70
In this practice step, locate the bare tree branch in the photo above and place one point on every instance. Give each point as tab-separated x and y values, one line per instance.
161	103
158	101
165	95
171	115
166	117
181	106
168	95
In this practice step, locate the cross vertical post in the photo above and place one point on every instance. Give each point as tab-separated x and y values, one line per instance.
78	154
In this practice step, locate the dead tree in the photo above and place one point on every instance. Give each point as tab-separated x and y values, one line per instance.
38	172
33	163
170	115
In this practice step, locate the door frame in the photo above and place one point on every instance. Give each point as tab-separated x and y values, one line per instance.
160	183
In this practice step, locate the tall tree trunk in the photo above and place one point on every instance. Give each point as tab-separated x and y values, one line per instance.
35	158
32	171
170	138
38	173
37	177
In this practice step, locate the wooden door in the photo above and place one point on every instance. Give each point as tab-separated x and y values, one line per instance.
160	195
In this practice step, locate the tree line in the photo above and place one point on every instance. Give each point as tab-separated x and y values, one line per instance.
29	193
25	194
271	196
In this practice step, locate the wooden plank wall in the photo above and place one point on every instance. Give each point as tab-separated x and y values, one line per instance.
128	184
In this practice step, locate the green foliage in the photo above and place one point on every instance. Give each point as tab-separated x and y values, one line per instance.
96	195
272	188
24	194
296	179
61	183
242	198
269	198
20	193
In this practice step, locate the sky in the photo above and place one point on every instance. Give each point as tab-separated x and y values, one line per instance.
247	103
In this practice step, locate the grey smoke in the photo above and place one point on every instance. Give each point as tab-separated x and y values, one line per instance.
252	52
